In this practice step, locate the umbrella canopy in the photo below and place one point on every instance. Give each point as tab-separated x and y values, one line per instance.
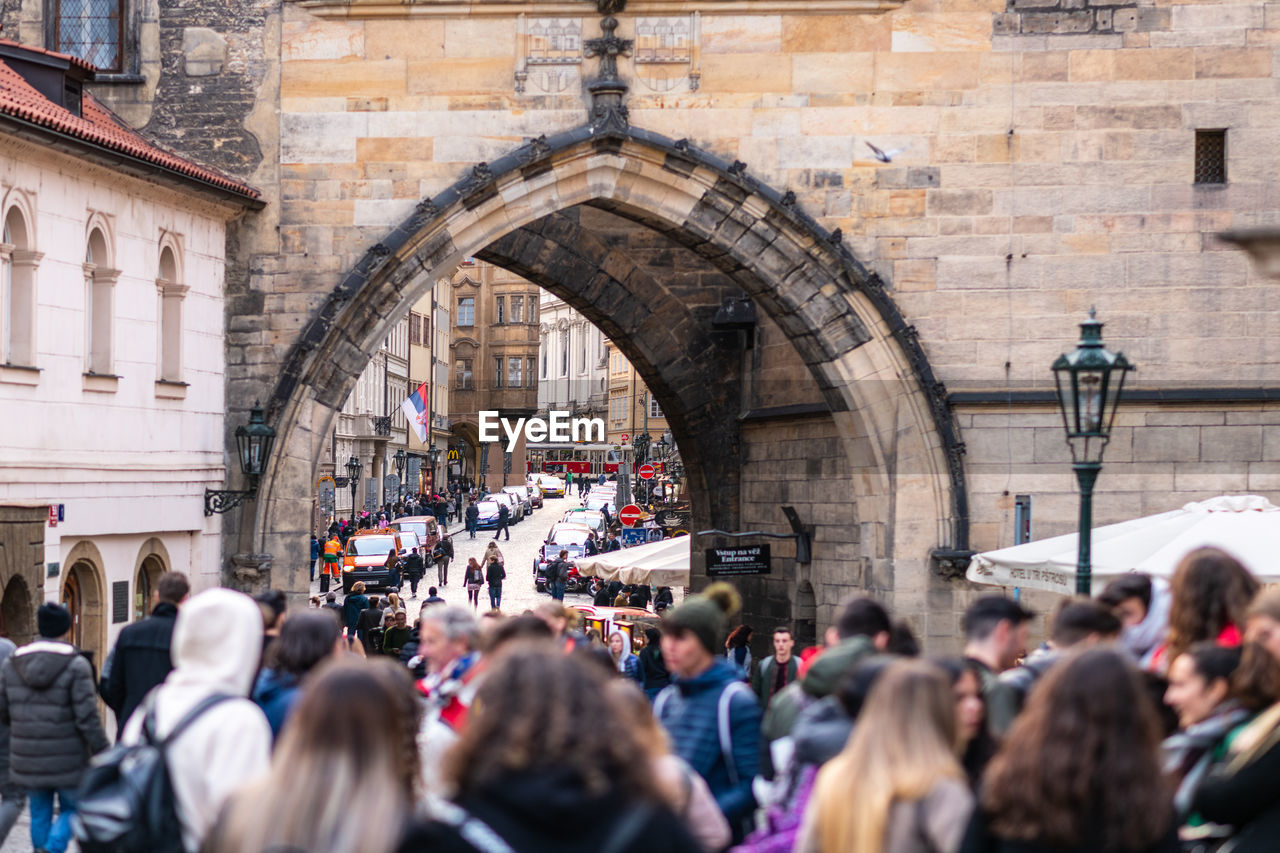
1245	526
663	563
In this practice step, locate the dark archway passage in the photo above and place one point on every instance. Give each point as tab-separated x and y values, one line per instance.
648	238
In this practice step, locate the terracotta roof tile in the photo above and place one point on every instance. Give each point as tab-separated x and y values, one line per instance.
99	126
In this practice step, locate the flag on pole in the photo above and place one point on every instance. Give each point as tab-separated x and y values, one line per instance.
415	411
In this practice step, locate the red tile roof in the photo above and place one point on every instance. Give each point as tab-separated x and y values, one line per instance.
99	126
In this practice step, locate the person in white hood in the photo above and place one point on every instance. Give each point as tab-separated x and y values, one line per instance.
217	641
1141	603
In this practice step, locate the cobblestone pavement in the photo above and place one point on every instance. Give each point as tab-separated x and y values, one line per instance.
517	592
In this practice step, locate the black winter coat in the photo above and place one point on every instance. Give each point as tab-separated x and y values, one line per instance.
1249	800
495	574
537	811
48	699
140	661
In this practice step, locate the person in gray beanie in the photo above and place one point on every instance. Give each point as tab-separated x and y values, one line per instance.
48	700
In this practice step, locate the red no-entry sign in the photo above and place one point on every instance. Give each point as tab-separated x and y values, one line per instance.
629	515
646	472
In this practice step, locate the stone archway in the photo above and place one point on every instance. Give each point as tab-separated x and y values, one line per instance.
879	417
82	591
153	561
16	611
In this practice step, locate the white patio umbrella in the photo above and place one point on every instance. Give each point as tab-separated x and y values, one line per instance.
662	563
1246	526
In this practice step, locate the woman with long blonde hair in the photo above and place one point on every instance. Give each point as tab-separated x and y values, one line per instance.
897	787
344	773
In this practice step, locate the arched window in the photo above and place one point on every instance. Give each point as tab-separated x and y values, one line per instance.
170	293
17	292
99	303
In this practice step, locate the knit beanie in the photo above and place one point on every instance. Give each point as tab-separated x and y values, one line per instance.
53	620
706	616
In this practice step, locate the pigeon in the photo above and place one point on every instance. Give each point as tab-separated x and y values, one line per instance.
886	156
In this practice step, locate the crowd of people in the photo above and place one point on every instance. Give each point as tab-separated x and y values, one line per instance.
1147	722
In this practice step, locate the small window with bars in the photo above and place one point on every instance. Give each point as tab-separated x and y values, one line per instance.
1211	156
92	30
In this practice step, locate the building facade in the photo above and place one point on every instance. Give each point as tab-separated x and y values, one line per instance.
572	365
495	365
892	378
112	365
430	332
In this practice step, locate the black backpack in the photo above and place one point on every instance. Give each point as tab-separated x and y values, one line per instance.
126	801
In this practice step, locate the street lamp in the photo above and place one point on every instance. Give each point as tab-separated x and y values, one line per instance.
253	445
433	456
1089	382
400	458
353	476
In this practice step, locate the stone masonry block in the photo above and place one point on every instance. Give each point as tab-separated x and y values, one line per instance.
1167	444
1231	444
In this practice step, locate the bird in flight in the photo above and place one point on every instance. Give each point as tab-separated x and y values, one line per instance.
886	156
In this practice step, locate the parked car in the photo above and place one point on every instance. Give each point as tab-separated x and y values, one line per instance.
564	536
552	487
593	519
365	558
600	501
521	494
488	519
425	526
513	506
535	496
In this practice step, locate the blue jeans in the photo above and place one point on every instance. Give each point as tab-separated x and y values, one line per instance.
47	833
557	590
472	523
495	595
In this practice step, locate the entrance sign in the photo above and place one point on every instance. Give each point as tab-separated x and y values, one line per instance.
646	472
742	560
625	438
629	515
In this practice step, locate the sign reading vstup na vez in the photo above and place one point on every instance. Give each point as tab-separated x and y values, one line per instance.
743	560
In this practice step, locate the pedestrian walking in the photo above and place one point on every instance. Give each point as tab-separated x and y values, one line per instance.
396	635
433	596
457	503
306	640
1262	625
624	660
443	555
494	575
1212	592
504	518
738	650
579	791
217	645
141	658
331	603
491	550
341	778
448	637
48	702
1141	603
977	746
713	720
315	556
369	626
1109	762
778	670
352	606
896	785
473	519
556	572
12	796
473	580
392	565
996	630
653	669
413	570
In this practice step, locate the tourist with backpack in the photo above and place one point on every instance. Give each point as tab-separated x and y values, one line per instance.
48	700
215	738
711	715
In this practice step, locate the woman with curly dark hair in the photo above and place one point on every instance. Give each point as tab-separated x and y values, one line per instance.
1212	592
548	763
1080	769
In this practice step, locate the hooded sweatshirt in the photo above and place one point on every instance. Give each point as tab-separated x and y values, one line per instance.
47	697
217	641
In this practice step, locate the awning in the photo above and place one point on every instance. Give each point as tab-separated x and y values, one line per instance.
664	563
1245	526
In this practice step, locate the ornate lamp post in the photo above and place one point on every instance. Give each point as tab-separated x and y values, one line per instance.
400	458
1089	381
353	477
433	456
253	443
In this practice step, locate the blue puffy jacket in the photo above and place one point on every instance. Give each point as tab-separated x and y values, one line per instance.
689	710
276	693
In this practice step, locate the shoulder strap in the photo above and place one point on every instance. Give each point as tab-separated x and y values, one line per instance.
203	705
722	719
626	830
660	701
476	833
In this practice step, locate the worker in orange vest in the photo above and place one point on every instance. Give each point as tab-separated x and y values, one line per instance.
332	563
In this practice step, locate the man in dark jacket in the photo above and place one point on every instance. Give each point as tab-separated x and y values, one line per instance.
13	795
504	518
141	657
614	544
413	570
776	672
445	551
473	518
48	701
557	572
